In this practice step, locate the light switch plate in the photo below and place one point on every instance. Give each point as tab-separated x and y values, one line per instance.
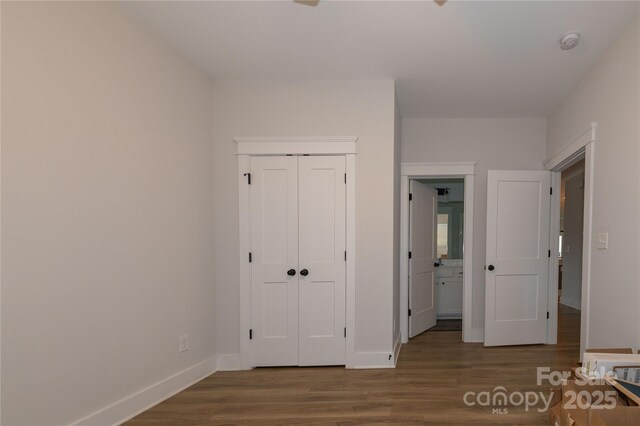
602	240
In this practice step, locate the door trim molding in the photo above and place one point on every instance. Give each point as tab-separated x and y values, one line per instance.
581	147
409	171
572	152
254	146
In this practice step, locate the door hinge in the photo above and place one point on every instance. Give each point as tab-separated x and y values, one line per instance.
547	315
248	175
410	197
345	332
409	311
549	253
409	255
550	191
345	255
345	178
250	333
250	257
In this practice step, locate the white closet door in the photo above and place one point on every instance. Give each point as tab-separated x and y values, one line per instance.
423	222
517	274
274	245
322	193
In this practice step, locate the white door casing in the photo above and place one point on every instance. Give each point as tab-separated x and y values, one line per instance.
298	224
322	229
248	147
409	171
517	274
581	147
274	235
423	219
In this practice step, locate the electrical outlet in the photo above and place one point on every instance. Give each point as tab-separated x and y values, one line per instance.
184	343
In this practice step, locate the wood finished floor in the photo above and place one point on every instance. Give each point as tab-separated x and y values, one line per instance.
433	373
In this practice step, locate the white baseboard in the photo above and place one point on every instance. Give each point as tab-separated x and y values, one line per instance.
477	335
396	349
364	360
572	303
229	362
138	402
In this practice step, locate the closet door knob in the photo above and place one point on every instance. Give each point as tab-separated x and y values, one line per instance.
291	272
491	267
304	272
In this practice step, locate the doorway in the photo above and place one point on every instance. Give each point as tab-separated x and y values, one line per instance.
449	242
465	174
570	249
581	148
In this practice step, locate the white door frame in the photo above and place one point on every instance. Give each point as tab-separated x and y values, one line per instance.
581	147
245	149
464	170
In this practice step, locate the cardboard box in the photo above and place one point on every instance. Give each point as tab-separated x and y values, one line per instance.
556	395
598	364
580	402
554	415
619	416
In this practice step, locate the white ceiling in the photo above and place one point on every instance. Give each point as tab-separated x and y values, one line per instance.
465	59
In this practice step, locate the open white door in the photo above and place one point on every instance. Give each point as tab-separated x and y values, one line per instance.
423	220
517	272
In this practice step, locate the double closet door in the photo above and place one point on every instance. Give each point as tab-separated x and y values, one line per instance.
298	260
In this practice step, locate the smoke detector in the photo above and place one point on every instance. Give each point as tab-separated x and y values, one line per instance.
570	40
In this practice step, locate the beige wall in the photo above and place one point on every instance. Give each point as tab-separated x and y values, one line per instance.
495	144
610	95
312	108
107	211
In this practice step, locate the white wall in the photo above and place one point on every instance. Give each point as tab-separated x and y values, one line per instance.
498	144
610	95
312	108
107	211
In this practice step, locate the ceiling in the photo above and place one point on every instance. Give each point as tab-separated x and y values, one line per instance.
462	60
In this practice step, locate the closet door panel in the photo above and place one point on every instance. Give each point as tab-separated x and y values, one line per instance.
274	245
322	198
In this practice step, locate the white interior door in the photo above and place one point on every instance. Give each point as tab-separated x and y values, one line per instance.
322	290
423	221
298	232
274	245
517	274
